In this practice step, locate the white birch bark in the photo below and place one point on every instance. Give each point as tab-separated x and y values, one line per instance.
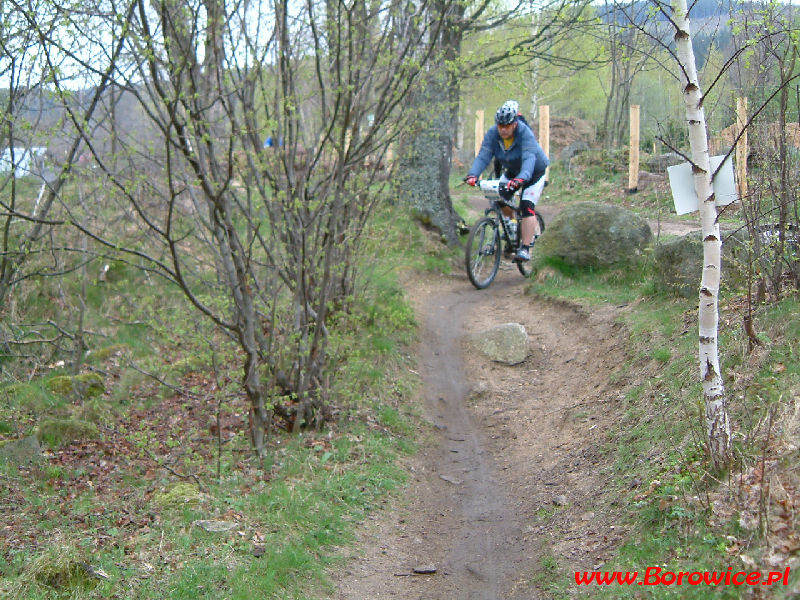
717	424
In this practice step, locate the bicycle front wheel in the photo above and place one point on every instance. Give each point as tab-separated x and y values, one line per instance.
484	248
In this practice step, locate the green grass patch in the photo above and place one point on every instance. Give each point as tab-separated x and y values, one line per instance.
131	471
586	286
551	578
658	462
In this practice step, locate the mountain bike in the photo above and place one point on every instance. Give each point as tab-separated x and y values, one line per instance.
495	234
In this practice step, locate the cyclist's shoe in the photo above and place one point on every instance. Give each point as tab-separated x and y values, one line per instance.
523	255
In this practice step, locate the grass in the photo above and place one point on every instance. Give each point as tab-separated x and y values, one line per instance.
659	441
683	516
296	506
285	528
293	509
550	578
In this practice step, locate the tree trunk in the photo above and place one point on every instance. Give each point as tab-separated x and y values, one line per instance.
717	424
428	156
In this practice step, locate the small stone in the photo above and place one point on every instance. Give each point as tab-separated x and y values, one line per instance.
560	500
216	526
452	480
425	569
479	391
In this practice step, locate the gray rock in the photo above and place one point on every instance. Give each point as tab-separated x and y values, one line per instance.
21	451
660	163
479	391
507	343
592	235
425	569
679	263
568	153
213	526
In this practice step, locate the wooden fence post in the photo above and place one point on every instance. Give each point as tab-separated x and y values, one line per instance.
478	130
633	153
741	147
544	133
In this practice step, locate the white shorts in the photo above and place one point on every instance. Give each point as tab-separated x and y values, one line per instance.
534	192
531	193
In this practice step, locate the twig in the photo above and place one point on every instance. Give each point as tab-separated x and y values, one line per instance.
752	338
762	499
563	408
174	388
174	472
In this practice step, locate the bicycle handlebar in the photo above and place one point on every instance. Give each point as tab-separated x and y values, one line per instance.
494	190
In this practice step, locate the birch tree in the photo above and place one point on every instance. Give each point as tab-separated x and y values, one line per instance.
718	429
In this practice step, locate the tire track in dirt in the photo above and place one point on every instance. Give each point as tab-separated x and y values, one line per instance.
507	441
474	560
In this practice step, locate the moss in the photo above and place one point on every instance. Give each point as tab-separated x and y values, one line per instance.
61	385
181	494
20	451
19	392
102	354
188	365
95	410
34	396
85	385
57	433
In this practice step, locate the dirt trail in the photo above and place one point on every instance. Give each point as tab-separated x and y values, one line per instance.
510	481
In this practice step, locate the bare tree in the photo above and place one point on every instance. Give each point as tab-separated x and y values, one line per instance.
630	49
263	241
36	42
768	74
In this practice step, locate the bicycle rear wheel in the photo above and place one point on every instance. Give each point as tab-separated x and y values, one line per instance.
483	252
525	267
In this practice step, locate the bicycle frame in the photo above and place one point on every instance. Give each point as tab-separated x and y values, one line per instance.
483	254
491	190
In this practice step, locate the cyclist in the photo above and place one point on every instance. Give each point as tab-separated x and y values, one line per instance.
512	143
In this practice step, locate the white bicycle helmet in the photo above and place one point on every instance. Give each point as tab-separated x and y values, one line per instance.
507	113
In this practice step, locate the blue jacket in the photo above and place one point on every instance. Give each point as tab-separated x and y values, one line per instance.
524	159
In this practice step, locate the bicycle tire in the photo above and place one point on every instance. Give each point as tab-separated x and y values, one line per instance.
525	267
484	248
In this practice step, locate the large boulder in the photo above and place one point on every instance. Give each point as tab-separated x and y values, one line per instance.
679	263
21	451
661	162
591	234
60	432
507	343
568	153
85	385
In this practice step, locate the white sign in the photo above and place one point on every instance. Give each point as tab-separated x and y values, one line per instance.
682	184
